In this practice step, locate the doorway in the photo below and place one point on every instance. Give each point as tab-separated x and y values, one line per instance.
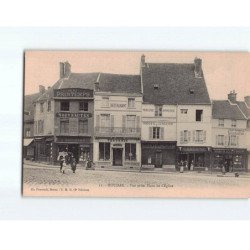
74	149
117	156
158	160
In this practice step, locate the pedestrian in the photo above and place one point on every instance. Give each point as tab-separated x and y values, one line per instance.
73	164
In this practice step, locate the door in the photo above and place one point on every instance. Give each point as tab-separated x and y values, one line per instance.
117	156
74	149
158	160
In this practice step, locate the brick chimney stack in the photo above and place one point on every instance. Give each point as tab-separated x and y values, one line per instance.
65	69
232	96
197	67
41	89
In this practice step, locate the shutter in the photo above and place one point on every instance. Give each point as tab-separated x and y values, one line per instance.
189	136
193	135
182	136
204	136
161	133
226	140
237	140
124	121
138	122
150	133
217	140
112	122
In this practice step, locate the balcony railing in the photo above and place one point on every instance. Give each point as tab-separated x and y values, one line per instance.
117	131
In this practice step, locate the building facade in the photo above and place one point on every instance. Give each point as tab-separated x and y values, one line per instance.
117	109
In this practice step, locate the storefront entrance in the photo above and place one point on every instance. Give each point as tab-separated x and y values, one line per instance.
117	156
158	160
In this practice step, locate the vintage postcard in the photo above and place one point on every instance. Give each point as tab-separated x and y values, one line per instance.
136	124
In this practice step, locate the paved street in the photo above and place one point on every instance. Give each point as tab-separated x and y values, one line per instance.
49	176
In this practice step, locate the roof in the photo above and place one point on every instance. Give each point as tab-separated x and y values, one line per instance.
243	107
175	82
29	106
118	83
223	109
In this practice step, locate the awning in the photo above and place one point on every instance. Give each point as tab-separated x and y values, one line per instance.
27	141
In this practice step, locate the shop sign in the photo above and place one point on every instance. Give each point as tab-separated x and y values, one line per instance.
158	123
117	139
73	139
229	151
168	110
158	146
236	132
117	145
118	105
73	115
73	93
193	149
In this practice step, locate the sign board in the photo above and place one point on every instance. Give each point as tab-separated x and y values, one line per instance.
118	105
73	93
73	115
235	131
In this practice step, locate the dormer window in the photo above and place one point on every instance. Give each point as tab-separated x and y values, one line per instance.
156	86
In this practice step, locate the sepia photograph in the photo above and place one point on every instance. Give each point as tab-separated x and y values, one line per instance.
136	124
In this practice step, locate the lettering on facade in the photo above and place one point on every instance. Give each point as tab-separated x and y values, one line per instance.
73	115
148	110
117	139
193	149
168	110
73	139
229	151
236	132
159	146
118	105
73	93
157	123
117	145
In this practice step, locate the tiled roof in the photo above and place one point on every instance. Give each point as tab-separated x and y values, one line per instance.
29	106
244	109
118	83
223	109
175	82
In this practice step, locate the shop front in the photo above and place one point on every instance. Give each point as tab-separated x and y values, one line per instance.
122	153
194	158
80	147
43	148
231	159
28	149
158	154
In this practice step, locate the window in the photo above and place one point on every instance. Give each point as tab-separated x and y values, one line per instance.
199	135
104	151
233	123
185	135
221	140
221	122
130	151
233	140
40	126
158	110
199	114
105	102
64	126
131	121
105	121
27	132
156	133
83	106
41	107
49	106
83	126
131	102
184	111
65	106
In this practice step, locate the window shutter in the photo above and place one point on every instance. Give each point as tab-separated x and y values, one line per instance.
204	136
98	121
138	121
124	121
150	133
226	140
161	133
182	136
112	122
193	135
217	140
189	136
237	140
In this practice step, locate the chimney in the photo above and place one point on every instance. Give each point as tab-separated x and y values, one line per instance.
41	89
65	69
232	96
143	61
247	100
97	86
197	67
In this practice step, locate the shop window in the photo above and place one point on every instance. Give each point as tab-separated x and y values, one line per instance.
83	106
41	107
233	124
131	102
131	120
27	132
49	106
156	133
64	126
83	126
220	140
199	114
105	102
65	106
184	111
221	122
158	110
104	151
130	151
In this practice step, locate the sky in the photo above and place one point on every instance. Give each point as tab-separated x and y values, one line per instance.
223	71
